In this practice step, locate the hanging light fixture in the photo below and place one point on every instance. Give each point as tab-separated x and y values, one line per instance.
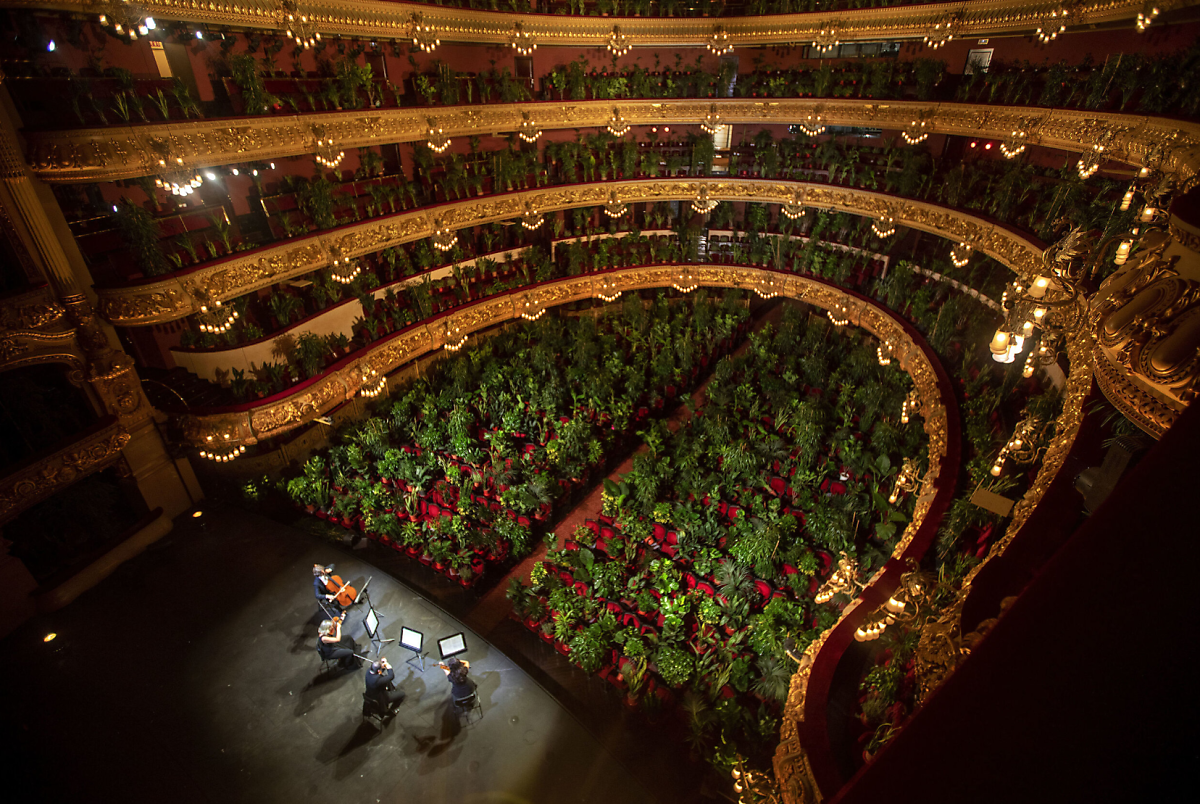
718	44
435	137
1147	15
702	203
327	154
1089	161
532	218
615	208
618	43
215	318
372	384
767	288
1027	443
424	36
685	282
844	580
179	181
884	353
528	130
297	26
1051	25
127	19
838	314
532	311
455	338
917	131
1014	144
904	604
828	37
618	126
444	238
795	208
521	40
910	407
711	121
606	289
343	270
908	480
960	255
943	32
224	457
884	226
813	124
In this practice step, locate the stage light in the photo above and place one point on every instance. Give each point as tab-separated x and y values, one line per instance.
50	637
197	514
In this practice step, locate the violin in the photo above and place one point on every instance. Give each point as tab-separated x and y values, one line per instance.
342	592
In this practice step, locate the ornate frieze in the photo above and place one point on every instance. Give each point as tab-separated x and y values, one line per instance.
379	20
42	479
36	309
122	152
178	296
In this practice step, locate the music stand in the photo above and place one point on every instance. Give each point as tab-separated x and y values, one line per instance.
414	641
452	645
374	629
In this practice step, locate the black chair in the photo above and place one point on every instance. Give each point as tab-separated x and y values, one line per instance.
468	704
373	709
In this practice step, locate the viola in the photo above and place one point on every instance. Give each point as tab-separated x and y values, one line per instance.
342	592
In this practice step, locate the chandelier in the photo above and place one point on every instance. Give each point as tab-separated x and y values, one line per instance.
618	126
909	480
296	26
766	288
844	580
528	131
1051	25
711	121
884	226
1026	444
1089	161
370	375
884	353
532	217
702	203
224	457
942	33
521	40
813	124
838	314
126	18
435	137
915	588
453	341
615	208
1014	144
795	209
827	38
344	270
444	237
911	406
917	132
618	43
423	36
179	181
718	44
1146	16
685	282
960	255
326	154
215	318
532	311
606	289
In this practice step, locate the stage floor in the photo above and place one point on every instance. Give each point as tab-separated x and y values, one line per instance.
191	675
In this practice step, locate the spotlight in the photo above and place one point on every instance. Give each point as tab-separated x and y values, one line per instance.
197	514
50	637
210	176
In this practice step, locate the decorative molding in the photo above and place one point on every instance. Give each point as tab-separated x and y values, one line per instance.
24	348
129	151
35	309
380	20
47	476
176	297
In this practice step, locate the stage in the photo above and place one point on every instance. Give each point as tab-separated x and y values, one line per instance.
192	675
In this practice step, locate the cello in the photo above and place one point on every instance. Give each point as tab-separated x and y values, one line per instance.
343	593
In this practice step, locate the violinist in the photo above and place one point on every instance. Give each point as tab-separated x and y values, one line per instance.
379	685
332	645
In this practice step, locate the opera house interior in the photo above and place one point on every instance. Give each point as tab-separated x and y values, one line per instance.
757	401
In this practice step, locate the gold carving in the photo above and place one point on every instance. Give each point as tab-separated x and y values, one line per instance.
122	152
33	310
174	298
41	480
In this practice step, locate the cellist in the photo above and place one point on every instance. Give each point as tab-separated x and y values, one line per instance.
321	586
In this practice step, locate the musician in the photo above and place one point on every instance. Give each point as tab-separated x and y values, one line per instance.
331	644
325	599
379	685
456	673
